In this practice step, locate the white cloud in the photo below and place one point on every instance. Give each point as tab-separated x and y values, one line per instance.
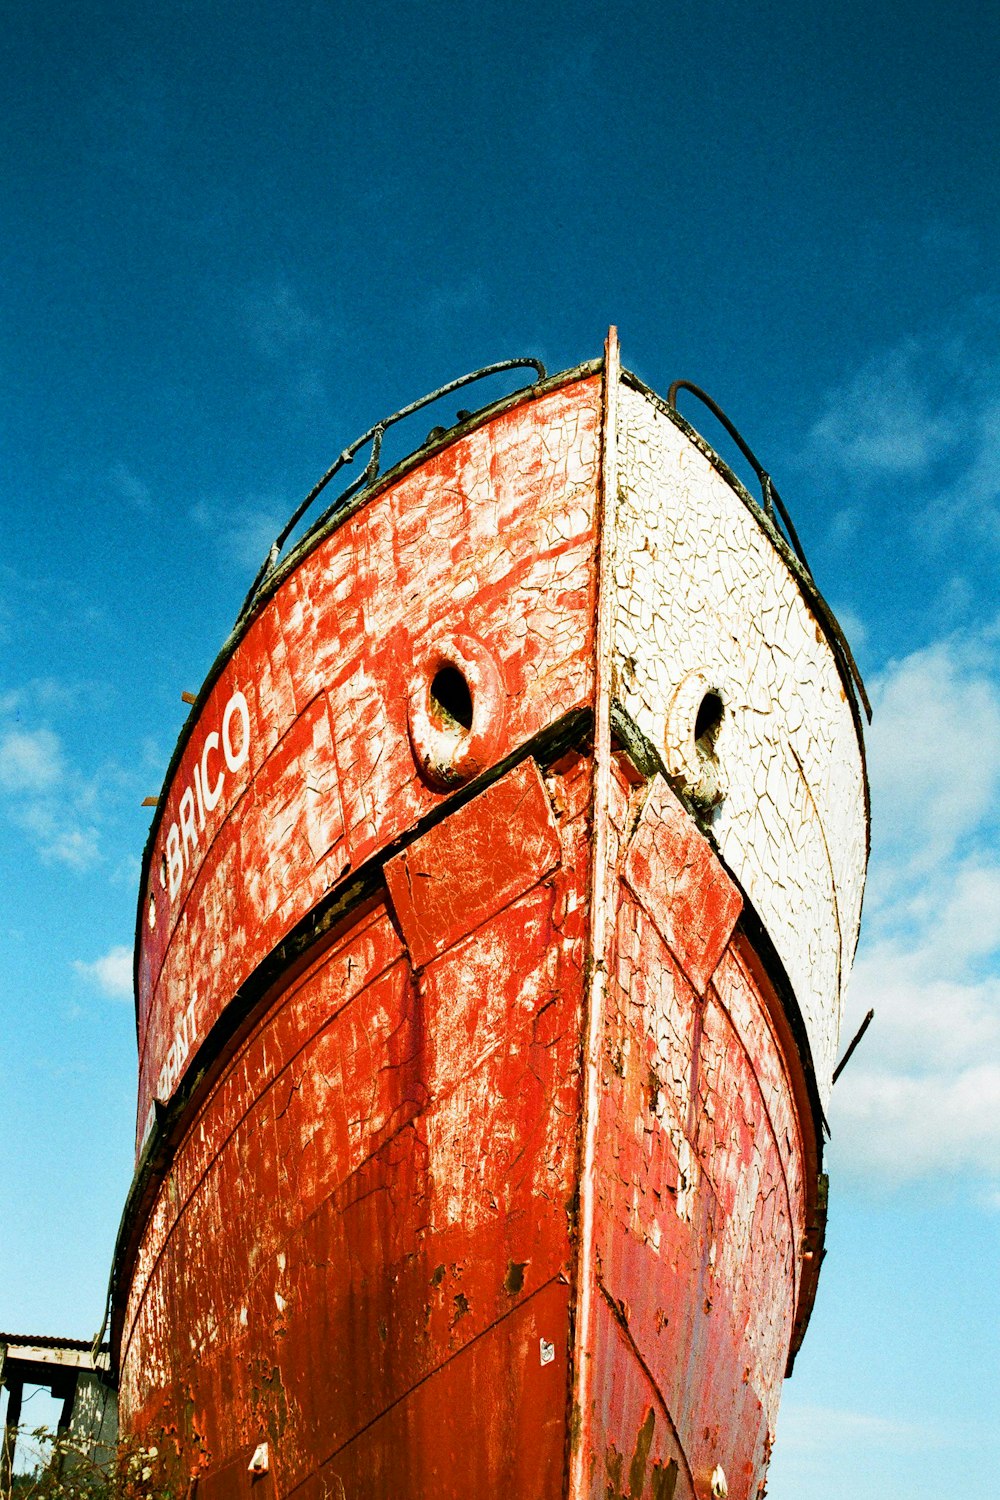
922	1095
111	973
953	241
127	872
130	488
48	694
926	1018
59	833
278	322
451	302
854	628
905	1126
921	424
978	486
294	342
934	749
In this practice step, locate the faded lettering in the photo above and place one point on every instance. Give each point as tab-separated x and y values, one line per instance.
175	864
212	793
202	795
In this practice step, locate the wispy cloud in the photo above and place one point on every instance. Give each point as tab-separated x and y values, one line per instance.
913	433
278	323
130	488
31	761
243	531
59	833
885	421
823	1429
924	416
934	751
40	792
900	1127
111	973
294	342
444	304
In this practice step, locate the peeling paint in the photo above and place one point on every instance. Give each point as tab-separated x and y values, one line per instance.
703	599
502	1180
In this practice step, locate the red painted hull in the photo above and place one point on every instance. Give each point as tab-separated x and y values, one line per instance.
490	1164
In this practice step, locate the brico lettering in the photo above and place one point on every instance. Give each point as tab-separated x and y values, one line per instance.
223	750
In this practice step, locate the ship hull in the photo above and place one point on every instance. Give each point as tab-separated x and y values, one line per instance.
478	1125
366	1249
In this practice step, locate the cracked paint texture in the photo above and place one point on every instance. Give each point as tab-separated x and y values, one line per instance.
698	585
493	539
700	1193
364	1247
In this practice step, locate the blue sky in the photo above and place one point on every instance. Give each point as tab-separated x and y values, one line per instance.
233	237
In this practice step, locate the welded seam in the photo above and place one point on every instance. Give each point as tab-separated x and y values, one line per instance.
750	923
213	1056
717	996
582	1376
357	885
405	1395
622	1324
240	1122
833	881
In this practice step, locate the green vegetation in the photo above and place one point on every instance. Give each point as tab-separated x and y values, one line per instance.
67	1467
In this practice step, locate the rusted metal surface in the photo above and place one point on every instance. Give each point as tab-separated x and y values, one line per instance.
507	1180
445	884
385	1168
700	1191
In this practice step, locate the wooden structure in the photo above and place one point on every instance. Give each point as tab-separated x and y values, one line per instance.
74	1374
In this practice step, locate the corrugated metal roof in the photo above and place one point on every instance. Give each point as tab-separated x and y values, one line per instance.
46	1341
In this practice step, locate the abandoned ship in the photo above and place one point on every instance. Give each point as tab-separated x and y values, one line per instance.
492	937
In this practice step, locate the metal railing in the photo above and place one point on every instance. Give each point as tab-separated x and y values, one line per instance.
374	435
770	499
